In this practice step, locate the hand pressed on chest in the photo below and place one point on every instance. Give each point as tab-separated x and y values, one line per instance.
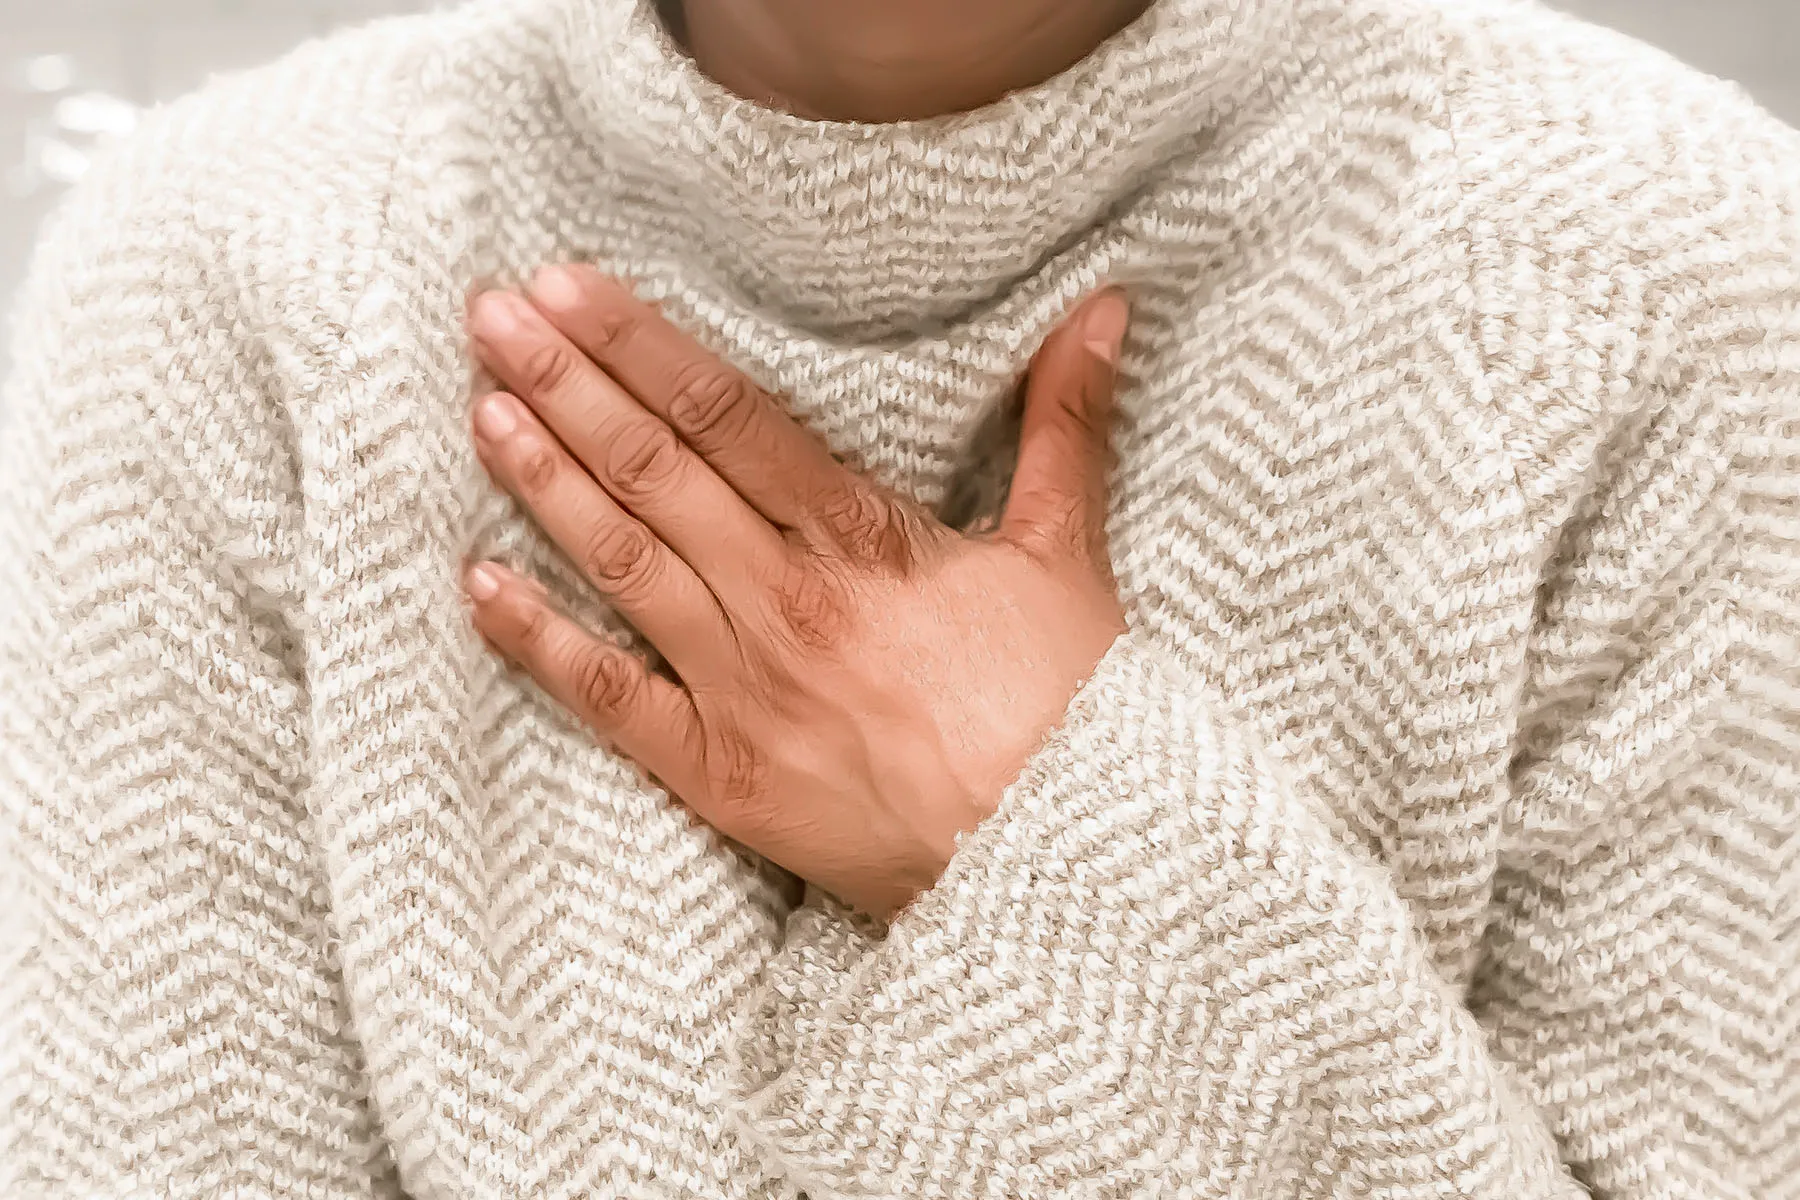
857	684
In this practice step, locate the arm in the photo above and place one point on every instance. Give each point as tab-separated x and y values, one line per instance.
1157	970
171	1018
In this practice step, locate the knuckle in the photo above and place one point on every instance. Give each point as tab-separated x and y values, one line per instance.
711	402
547	368
866	526
618	552
613	328
1067	515
737	772
1079	414
1062	527
537	469
604	678
810	606
642	455
535	627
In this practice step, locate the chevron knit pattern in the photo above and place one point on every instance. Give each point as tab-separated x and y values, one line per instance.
1432	833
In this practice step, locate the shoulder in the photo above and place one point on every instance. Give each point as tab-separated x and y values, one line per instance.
204	275
1633	225
1599	160
206	174
265	181
307	179
189	234
1556	117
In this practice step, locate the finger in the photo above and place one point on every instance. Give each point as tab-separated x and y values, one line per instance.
1058	501
644	715
629	450
772	461
651	586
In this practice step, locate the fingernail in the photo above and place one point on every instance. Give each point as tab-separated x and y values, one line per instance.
495	417
495	315
482	581
556	287
1108	314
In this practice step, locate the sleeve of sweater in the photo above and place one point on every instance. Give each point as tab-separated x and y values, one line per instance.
1161	970
171	1017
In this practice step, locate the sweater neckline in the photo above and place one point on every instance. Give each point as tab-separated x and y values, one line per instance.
890	230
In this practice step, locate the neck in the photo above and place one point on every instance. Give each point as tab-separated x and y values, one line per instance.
839	60
868	231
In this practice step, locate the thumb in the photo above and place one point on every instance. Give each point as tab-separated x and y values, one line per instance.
1058	501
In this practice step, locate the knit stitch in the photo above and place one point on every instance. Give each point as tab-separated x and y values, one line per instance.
1432	832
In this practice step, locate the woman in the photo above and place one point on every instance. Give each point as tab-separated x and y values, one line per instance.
1379	781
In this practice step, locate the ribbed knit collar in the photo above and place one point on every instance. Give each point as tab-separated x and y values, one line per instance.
891	229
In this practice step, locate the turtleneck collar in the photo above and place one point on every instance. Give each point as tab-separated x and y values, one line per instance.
889	230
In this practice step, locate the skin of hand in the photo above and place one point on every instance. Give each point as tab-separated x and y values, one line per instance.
857	683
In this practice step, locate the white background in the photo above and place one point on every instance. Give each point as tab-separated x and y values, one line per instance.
145	51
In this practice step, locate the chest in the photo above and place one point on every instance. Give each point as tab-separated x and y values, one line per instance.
540	946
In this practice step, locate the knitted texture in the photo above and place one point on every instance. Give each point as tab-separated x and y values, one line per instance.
1432	832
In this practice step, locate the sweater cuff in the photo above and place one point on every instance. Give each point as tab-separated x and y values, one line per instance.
987	1044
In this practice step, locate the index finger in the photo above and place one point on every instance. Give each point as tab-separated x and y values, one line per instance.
773	462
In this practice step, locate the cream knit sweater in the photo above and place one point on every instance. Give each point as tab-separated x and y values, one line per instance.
1433	832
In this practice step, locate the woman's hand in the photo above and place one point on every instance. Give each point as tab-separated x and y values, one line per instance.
858	683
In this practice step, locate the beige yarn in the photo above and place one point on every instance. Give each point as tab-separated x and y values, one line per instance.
1433	832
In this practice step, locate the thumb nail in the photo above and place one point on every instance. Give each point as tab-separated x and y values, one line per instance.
1104	325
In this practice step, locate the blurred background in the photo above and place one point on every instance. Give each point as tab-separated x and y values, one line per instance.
73	72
